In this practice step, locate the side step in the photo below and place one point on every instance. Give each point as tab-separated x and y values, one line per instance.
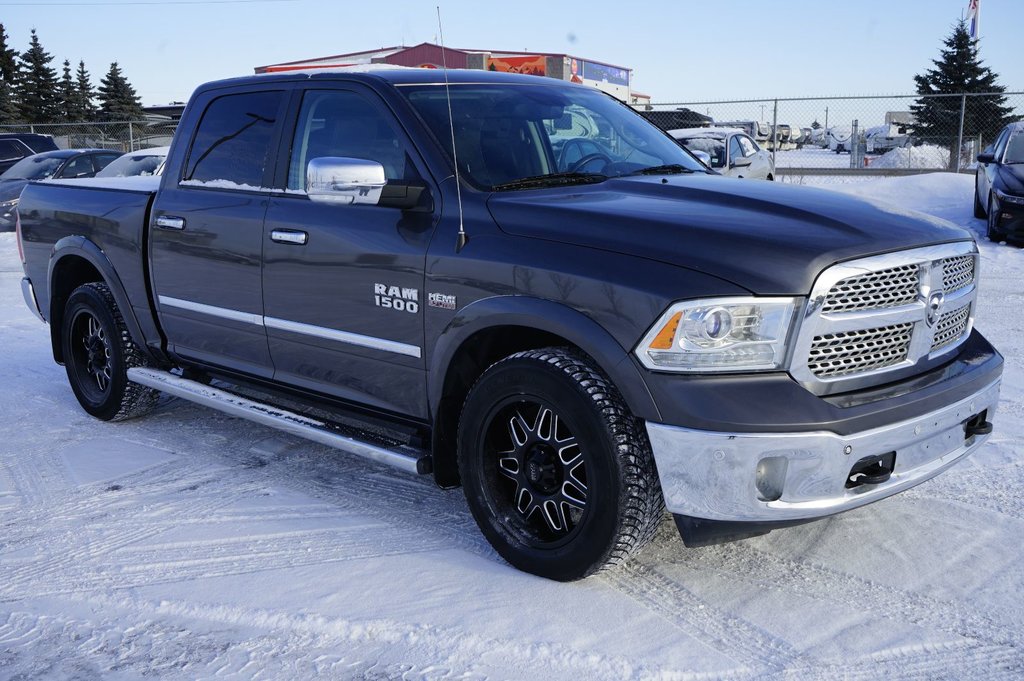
403	457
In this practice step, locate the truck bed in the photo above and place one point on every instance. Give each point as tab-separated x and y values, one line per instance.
111	213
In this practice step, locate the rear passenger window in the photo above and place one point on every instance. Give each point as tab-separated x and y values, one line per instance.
344	124
232	142
10	151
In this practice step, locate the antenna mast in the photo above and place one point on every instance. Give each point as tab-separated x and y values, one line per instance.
462	238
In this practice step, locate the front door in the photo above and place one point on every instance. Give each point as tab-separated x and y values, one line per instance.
207	235
343	284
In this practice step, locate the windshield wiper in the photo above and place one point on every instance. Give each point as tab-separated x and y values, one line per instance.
551	180
668	169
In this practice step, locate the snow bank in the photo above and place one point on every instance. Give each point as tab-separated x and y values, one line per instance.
924	156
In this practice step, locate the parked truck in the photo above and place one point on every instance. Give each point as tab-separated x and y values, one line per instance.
407	270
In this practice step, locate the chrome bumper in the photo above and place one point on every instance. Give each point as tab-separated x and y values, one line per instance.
725	476
30	298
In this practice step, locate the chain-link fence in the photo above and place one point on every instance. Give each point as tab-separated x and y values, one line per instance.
840	137
121	136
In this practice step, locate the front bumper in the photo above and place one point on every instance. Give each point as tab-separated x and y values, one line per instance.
1010	220
784	478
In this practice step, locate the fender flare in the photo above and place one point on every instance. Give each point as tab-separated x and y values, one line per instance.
80	246
543	315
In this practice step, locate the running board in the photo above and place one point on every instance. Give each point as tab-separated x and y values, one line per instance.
409	459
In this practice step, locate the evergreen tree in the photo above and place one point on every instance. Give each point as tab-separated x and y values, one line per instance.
118	101
8	80
958	70
37	89
66	95
85	95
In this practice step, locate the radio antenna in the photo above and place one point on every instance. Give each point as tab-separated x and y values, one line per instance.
462	238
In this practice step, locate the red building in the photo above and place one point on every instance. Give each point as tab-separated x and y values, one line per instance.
608	77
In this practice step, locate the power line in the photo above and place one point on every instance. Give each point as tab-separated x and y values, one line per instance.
42	3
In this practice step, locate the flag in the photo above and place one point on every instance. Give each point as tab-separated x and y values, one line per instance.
974	17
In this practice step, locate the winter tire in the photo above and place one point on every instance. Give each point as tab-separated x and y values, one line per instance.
992	230
558	473
979	209
98	351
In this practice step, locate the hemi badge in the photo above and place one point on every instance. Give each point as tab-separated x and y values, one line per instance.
441	300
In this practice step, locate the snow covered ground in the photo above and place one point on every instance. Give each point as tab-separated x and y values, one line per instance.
192	545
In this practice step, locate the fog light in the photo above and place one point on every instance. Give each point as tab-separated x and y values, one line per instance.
771	477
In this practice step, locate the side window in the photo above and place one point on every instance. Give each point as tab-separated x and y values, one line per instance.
232	142
101	161
10	150
747	144
735	151
344	124
1000	145
79	167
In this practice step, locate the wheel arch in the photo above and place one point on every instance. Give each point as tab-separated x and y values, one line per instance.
76	260
493	328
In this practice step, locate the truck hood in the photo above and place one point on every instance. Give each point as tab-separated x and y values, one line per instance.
769	238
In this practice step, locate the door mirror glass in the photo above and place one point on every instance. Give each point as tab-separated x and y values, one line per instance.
334	179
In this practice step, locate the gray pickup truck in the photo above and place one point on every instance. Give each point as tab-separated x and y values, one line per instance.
520	286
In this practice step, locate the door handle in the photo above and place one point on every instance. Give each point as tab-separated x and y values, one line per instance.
170	222
289	236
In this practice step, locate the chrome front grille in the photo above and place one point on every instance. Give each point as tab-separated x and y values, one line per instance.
850	352
886	317
889	288
957	273
951	326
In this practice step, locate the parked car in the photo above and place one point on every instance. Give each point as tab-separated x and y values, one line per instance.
732	152
63	163
134	163
999	184
15	146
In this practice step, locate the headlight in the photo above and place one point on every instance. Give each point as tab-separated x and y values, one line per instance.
719	334
1010	198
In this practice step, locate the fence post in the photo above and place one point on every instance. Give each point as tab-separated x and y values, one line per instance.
775	130
131	137
960	134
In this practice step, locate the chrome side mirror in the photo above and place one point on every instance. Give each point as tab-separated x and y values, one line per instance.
333	179
704	157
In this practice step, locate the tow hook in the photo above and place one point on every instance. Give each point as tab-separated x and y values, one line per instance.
871	470
977	425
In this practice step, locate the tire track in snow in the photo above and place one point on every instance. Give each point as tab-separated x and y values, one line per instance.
751	646
811	580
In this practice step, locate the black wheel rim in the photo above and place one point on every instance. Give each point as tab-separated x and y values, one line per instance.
91	355
535	473
993	218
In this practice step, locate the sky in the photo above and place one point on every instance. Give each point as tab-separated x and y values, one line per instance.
680	51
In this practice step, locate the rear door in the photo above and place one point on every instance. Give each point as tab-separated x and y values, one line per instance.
206	240
343	284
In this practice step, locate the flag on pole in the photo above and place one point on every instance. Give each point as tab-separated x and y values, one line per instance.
974	17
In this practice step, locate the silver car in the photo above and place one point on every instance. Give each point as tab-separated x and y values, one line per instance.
732	152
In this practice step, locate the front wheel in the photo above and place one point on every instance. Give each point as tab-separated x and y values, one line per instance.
979	209
992	228
98	351
558	473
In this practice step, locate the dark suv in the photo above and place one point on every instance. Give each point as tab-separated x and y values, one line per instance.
17	145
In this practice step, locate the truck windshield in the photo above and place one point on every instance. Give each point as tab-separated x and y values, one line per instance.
510	136
33	168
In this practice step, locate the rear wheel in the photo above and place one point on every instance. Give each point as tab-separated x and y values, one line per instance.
98	351
557	472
